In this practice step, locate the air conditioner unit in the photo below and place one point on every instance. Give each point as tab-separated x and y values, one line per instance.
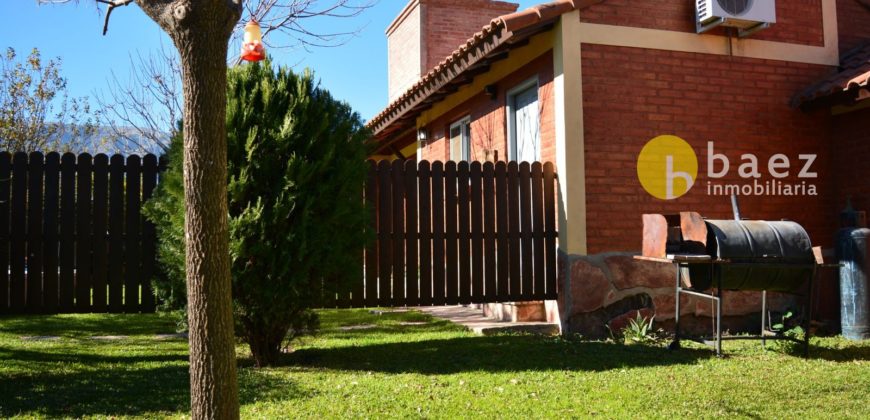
748	16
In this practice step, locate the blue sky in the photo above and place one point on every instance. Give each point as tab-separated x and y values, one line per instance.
355	72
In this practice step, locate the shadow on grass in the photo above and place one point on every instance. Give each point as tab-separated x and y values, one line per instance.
855	351
83	325
118	386
500	353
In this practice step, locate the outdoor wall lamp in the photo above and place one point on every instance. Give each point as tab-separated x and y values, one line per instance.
422	135
492	91
252	43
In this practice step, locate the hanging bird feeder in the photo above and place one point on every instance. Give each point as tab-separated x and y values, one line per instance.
252	43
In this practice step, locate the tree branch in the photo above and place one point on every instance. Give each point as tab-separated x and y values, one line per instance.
112	6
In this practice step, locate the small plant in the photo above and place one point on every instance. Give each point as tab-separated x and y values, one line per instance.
639	330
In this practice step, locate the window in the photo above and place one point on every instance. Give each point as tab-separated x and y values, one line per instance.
523	120
460	140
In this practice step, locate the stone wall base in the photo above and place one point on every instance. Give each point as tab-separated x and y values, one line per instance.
600	293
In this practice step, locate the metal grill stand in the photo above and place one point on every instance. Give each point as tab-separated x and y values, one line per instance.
686	261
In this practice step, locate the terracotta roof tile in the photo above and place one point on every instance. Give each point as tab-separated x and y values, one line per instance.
852	74
451	66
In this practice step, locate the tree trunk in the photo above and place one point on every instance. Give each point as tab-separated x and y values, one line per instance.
214	392
265	339
201	31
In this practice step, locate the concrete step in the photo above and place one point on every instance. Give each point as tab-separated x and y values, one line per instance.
474	320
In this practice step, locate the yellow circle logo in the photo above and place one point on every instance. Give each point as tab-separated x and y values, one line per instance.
667	167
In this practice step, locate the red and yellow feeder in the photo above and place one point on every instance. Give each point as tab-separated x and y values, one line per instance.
252	43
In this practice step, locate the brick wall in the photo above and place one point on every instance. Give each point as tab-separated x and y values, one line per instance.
449	24
854	23
797	21
444	25
851	158
488	128
404	53
632	95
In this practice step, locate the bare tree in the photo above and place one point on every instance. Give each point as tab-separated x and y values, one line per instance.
201	31
36	112
142	110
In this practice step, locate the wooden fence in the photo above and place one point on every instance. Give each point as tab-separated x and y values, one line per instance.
453	233
72	236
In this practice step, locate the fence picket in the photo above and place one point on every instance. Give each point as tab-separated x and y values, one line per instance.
397	236
35	171
451	239
149	236
438	272
464	202
514	231
476	231
538	228
489	256
67	250
371	252
412	292
116	234
17	252
50	223
5	184
425	224
526	258
83	233
132	257
385	225
502	246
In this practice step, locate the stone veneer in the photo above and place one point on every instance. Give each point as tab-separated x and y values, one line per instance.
608	289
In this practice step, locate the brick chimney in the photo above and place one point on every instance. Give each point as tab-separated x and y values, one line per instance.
427	31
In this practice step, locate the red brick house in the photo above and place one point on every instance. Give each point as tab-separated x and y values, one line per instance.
587	83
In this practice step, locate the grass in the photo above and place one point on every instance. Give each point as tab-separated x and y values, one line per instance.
434	369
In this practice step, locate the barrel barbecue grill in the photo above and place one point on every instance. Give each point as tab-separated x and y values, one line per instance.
713	256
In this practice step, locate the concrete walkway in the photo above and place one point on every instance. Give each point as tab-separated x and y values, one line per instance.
474	320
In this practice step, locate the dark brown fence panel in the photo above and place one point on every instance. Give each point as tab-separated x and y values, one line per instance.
5	183
51	239
36	168
66	245
116	234
438	273
83	233
132	276
476	232
385	250
67	251
18	240
371	252
463	201
526	261
514	231
450	233
411	226
538	228
425	224
99	244
398	232
451	208
502	247
489	230
149	235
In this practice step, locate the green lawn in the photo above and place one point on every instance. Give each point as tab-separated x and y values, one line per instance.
433	369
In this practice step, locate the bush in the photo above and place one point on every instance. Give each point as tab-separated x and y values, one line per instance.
296	162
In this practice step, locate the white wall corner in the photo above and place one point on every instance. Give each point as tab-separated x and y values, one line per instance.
570	148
